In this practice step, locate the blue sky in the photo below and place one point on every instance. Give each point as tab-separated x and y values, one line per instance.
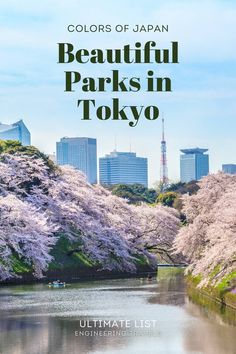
199	112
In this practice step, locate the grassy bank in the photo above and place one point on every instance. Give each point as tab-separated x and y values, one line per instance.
70	264
222	292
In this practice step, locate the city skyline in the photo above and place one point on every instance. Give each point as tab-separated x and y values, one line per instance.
200	111
228	166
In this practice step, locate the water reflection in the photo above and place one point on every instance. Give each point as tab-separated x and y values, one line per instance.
38	320
212	336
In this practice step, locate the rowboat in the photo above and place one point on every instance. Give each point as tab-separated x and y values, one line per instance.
57	284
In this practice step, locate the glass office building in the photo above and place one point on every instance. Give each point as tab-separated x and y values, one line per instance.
123	168
16	131
80	153
229	168
194	164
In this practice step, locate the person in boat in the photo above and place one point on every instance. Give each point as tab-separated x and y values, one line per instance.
57	283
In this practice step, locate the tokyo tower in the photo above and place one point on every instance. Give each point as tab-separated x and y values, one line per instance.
164	169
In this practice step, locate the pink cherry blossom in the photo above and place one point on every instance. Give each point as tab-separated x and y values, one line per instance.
47	204
209	240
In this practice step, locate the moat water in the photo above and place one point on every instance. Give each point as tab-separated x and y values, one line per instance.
112	317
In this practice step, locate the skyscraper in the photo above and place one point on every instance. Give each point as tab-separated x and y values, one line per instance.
194	164
229	168
164	169
16	131
80	153
123	168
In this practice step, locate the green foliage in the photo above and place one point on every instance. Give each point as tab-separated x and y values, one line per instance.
64	257
175	187
159	187
19	266
220	292
223	287
140	260
15	148
135	193
227	281
172	195
178	204
195	280
66	254
183	188
6	145
213	303
167	198
215	271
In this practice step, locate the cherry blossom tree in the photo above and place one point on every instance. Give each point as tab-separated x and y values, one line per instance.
25	234
209	240
54	202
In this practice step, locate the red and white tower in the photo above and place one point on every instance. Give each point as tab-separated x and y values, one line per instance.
164	169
